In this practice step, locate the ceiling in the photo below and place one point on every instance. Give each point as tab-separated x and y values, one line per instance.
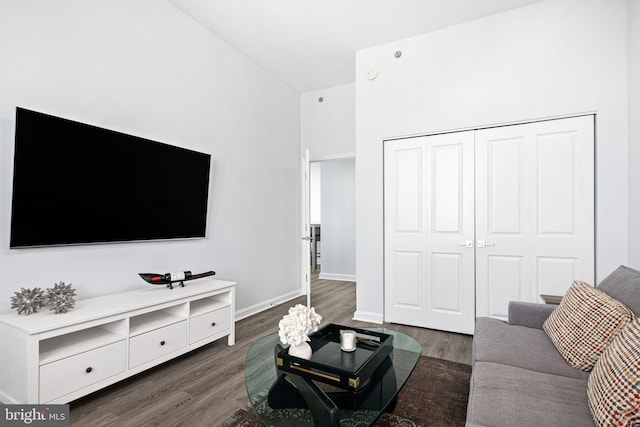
311	44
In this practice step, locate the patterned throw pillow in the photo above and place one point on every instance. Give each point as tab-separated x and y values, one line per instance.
584	324
614	385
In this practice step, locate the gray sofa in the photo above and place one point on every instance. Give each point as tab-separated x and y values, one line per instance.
520	379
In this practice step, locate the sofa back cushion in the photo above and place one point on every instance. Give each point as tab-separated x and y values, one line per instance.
584	324
623	284
613	387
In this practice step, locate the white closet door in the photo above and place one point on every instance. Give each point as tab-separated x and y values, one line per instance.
429	232
534	211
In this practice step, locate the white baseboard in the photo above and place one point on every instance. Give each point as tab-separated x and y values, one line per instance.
342	277
257	308
366	316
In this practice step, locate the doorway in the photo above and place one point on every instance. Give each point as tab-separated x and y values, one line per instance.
332	218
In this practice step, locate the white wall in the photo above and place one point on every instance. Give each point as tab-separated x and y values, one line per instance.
143	67
327	128
634	133
338	234
551	58
315	193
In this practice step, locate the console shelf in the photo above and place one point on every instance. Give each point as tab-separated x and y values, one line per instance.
57	348
153	320
56	358
206	305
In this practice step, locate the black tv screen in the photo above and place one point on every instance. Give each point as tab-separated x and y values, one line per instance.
75	183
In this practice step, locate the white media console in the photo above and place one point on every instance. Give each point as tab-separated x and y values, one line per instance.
56	358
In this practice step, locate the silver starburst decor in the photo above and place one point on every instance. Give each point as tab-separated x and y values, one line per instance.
28	301
60	297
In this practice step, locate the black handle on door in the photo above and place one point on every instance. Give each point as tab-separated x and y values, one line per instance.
88	370
162	342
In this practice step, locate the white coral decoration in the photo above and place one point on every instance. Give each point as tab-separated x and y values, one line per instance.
295	326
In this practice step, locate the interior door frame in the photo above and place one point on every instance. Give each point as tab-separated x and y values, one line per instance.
305	231
305	248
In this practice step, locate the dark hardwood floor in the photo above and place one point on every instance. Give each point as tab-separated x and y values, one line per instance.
206	386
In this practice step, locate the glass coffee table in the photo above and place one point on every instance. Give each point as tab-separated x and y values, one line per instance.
284	399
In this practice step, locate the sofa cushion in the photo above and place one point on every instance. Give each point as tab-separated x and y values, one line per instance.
614	385
503	395
623	284
528	348
584	324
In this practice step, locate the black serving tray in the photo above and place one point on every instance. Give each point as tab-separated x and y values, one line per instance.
331	365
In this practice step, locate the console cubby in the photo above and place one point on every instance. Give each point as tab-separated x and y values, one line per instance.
62	346
57	358
157	319
206	305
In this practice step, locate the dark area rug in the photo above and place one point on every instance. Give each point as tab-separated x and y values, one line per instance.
435	395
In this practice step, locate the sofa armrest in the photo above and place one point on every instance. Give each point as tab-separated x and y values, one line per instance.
529	314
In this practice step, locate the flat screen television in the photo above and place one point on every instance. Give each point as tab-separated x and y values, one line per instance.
75	183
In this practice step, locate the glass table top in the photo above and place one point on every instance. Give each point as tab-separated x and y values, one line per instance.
363	410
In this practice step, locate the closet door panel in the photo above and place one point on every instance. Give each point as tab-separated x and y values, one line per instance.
508	283
555	274
450	223
502	219
408	279
505	177
563	212
547	170
446	183
447	272
438	291
404	194
408	190
556	184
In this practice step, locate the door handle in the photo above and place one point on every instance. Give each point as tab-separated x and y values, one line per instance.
466	244
483	244
306	238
